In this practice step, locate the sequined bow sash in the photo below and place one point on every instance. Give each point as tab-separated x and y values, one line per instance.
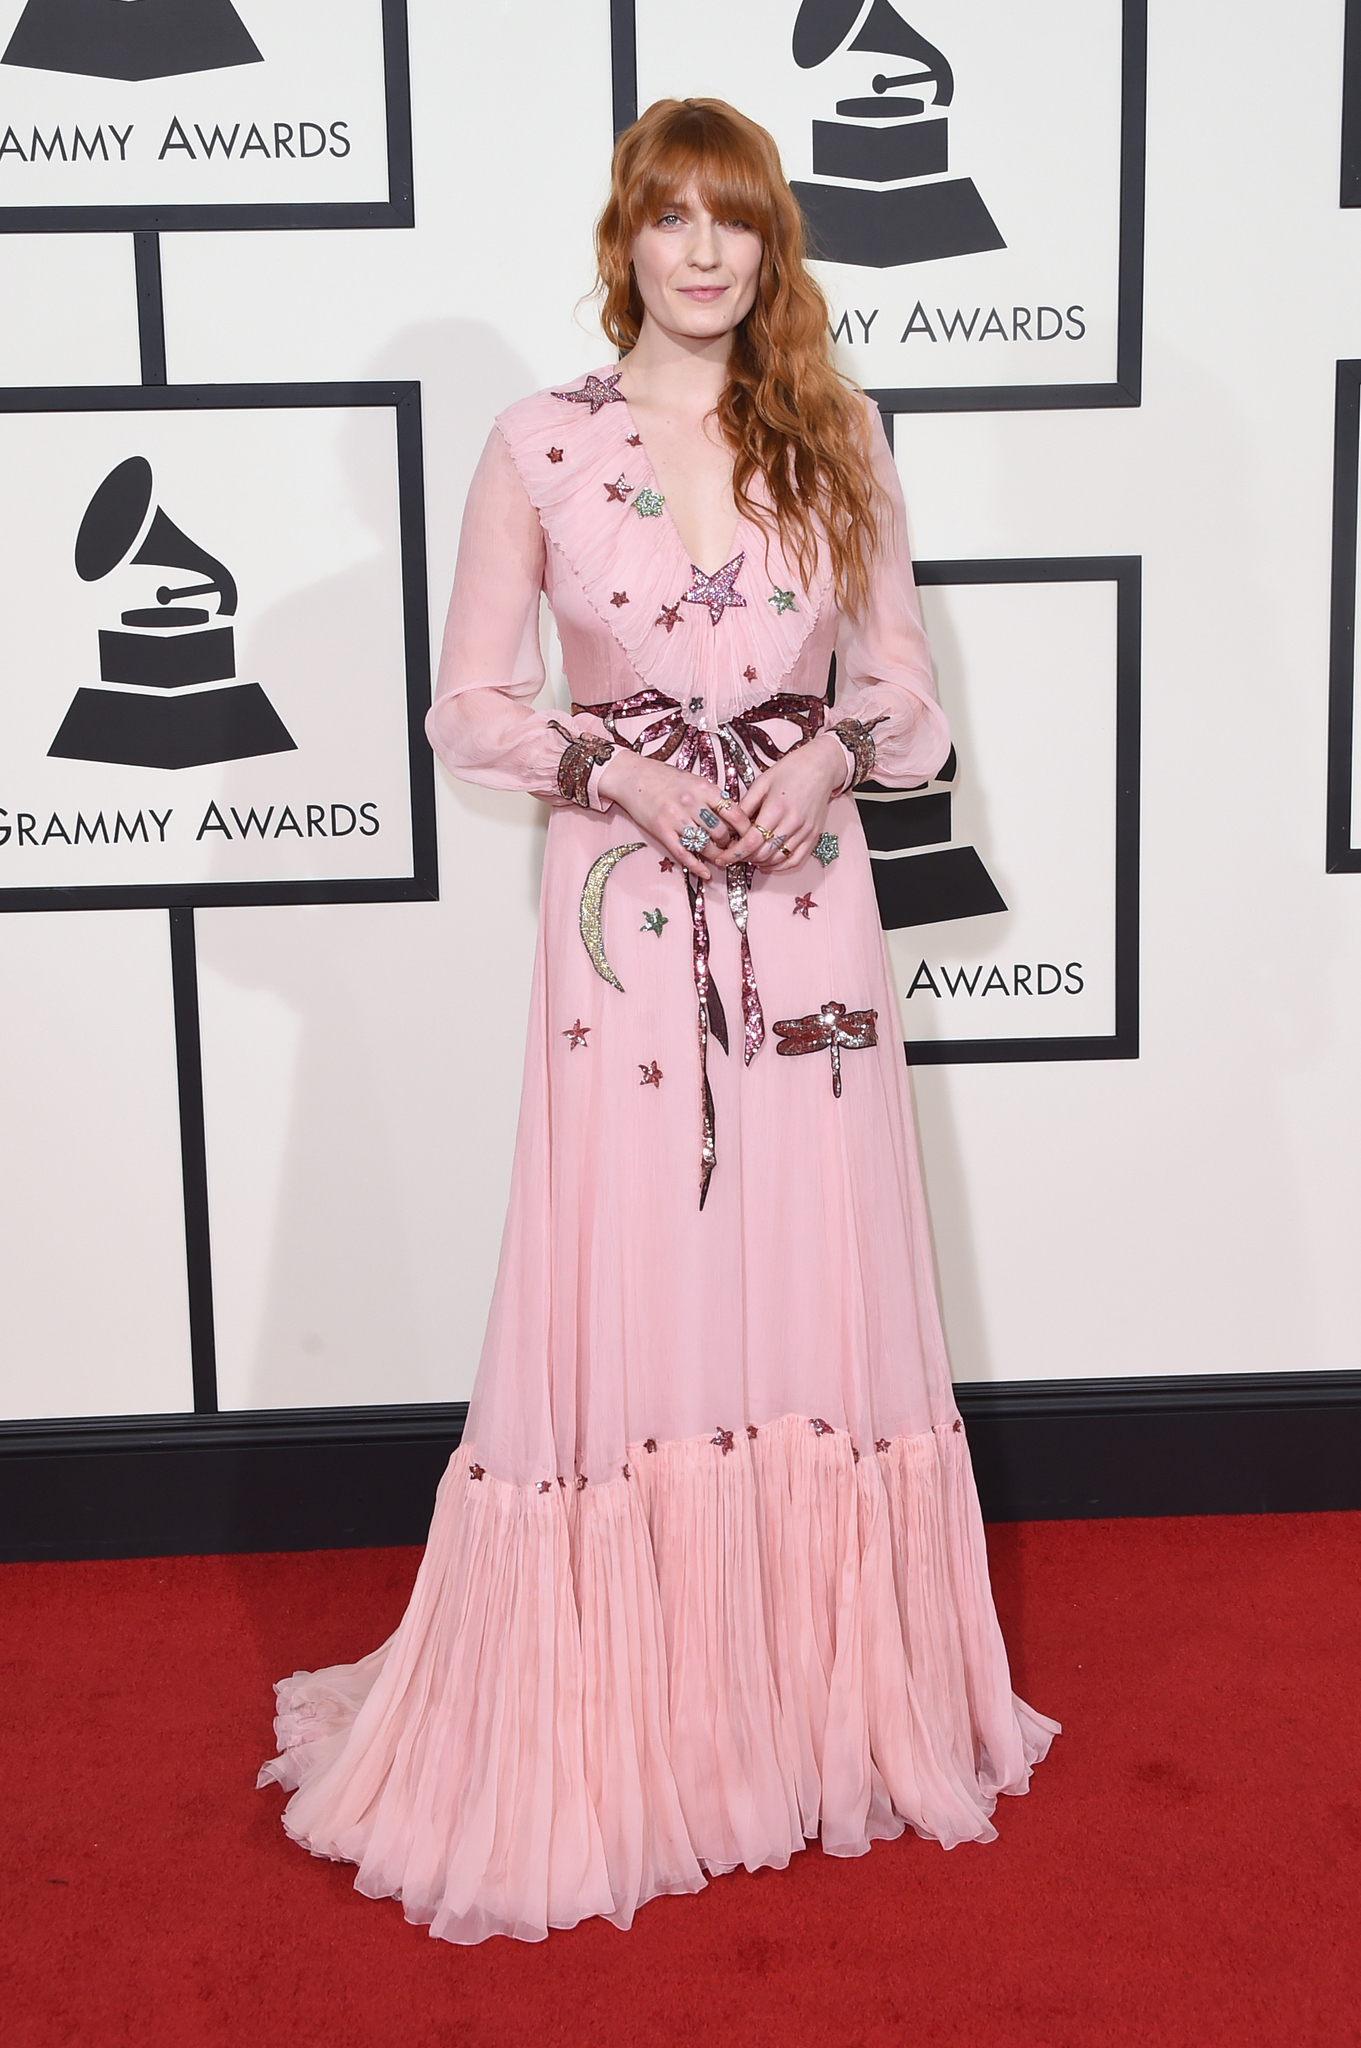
731	755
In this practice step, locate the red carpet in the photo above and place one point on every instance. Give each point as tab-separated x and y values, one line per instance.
1187	1868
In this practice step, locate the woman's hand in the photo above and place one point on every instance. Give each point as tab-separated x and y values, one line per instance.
663	800
790	801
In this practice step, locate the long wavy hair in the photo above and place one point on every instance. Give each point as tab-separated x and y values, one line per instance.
787	414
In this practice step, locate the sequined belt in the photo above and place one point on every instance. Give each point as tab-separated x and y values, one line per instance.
731	755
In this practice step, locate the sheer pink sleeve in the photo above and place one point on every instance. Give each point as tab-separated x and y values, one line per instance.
482	723
883	662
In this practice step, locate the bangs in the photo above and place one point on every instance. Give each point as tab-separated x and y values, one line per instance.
701	153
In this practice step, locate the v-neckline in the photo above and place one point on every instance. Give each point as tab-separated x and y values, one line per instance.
733	548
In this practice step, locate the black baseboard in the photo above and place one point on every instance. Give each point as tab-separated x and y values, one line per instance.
318	1479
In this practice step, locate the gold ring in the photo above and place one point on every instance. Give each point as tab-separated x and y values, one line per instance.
723	803
767	836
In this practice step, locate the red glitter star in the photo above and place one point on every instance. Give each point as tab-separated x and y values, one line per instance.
652	1075
750	673
595	392
666	864
881	1443
719	591
576	1035
722	1440
803	904
635	440
751	1429
819	1427
477	1471
617	493
555	455
669	615
620	597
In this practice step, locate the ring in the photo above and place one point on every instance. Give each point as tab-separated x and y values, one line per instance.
723	803
694	838
711	819
767	836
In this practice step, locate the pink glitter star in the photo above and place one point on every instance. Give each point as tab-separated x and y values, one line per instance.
617	493
669	615
718	591
652	1075
576	1035
555	455
803	904
595	392
620	597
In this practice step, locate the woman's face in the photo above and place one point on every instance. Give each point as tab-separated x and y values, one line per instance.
697	276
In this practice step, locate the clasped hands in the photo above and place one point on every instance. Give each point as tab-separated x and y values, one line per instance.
786	803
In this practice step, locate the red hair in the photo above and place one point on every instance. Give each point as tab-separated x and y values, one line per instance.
787	414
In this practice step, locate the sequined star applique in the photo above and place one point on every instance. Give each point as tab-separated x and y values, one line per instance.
803	904
618	492
575	1034
666	864
827	849
881	1444
648	503
595	392
555	455
652	1075
719	591
783	600
749	673
669	615
635	440
619	597
653	920
819	1427
722	1440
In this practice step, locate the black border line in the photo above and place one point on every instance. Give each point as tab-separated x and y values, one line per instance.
1349	187
1341	857
1128	385
193	1160
404	397
1126	572
396	211
323	1478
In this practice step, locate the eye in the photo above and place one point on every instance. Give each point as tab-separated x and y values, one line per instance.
668	219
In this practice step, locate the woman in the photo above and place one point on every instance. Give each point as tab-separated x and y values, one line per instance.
707	1576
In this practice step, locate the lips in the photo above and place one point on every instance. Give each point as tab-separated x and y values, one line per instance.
706	292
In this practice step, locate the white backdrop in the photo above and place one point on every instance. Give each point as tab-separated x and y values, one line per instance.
1195	1210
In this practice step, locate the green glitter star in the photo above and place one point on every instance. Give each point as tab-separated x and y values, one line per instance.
648	503
783	600
653	922
827	849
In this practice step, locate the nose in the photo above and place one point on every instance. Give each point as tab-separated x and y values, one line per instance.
704	252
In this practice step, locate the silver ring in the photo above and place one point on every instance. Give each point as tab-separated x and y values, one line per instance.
694	839
711	819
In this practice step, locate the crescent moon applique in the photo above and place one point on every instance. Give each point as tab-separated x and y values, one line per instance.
591	898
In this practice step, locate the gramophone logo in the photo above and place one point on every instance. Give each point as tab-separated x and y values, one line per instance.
928	887
157	712
888	152
130	39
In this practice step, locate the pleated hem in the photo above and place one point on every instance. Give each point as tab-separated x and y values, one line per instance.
600	1692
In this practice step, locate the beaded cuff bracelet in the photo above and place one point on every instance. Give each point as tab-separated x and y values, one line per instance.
584	752
856	739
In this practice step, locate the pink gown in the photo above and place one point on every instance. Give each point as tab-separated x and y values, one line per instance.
707	1576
